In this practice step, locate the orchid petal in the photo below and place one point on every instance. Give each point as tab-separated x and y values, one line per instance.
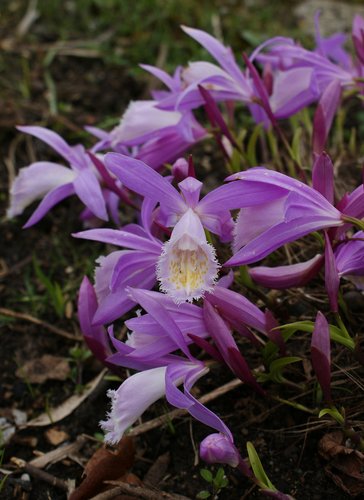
88	189
324	115
52	198
95	336
130	401
35	182
53	140
282	277
278	235
138	177
323	176
321	354
186	401
332	280
121	238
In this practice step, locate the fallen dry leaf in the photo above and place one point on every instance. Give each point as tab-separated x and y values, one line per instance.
105	465
56	436
48	367
346	465
158	470
56	414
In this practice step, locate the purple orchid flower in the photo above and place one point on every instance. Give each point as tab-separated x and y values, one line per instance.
227	82
332	46
54	182
162	371
151	134
141	390
187	267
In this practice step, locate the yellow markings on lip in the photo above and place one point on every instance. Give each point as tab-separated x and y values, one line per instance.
188	268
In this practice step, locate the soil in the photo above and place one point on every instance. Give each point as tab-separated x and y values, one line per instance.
282	435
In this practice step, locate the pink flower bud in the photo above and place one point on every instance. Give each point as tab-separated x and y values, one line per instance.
218	448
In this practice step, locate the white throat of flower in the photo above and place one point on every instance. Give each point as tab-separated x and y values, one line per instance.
187	267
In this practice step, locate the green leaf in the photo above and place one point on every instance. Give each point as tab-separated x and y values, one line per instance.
203	494
207	475
220	475
251	148
259	472
224	482
336	334
296	145
334	413
276	367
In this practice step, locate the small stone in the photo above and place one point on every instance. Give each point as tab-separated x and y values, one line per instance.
56	436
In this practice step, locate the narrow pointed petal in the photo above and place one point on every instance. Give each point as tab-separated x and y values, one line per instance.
215	115
264	176
140	178
323	176
282	277
324	115
104	271
190	189
238	195
120	238
49	201
225	343
117	303
88	189
275	334
160	74
358	37
186	401
95	336
332	280
223	55
277	236
130	401
321	354
53	140
160	314
128	265
235	307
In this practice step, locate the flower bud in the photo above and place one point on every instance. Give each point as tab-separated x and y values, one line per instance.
218	448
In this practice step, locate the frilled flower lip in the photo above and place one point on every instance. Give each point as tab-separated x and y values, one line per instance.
187	267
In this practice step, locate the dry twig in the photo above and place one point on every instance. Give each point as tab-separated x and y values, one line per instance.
138	492
37	321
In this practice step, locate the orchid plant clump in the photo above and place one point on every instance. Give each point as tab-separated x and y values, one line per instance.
198	261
